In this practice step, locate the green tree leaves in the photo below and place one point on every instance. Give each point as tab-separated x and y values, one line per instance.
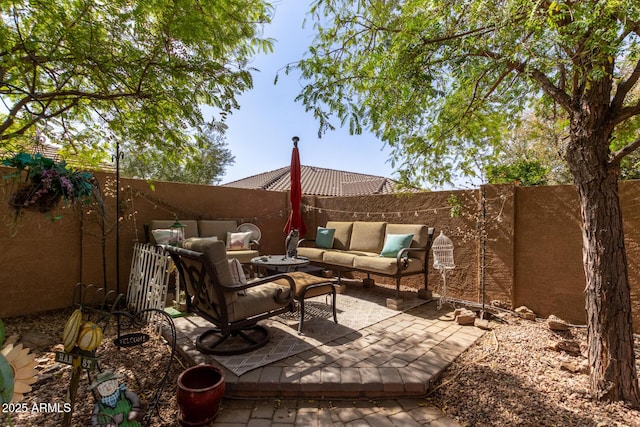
445	84
203	163
89	73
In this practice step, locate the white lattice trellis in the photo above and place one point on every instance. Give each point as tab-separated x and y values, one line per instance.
149	278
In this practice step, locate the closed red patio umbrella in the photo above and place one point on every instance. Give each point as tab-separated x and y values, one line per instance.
295	218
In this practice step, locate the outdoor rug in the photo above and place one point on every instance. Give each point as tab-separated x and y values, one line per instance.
357	309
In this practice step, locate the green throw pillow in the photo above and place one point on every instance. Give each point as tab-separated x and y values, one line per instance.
324	237
394	242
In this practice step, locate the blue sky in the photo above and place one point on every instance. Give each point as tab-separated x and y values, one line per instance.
259	134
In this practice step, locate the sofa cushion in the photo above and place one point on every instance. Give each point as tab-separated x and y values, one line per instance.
162	235
190	229
385	265
393	243
324	237
344	258
367	236
339	258
342	236
420	236
216	228
239	241
314	254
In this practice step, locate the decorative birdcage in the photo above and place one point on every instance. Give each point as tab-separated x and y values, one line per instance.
443	261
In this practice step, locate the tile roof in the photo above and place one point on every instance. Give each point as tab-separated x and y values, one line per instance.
52	151
319	182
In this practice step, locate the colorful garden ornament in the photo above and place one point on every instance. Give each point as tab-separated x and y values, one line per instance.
22	363
116	406
6	374
17	370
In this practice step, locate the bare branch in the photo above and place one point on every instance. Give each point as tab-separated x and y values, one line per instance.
620	154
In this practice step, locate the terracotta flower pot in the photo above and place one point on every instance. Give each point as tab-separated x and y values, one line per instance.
200	391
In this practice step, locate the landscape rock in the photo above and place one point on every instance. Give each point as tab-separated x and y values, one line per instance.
464	316
584	367
557	324
39	341
568	346
570	366
500	304
482	324
525	313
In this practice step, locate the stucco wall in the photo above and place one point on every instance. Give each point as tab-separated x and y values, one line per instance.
548	252
532	249
550	274
41	264
463	228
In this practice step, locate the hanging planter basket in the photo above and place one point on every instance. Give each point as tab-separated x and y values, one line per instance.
31	197
40	183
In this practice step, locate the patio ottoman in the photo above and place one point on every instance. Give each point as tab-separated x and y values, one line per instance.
308	286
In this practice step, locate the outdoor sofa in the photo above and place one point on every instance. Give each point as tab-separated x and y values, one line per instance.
390	250
238	244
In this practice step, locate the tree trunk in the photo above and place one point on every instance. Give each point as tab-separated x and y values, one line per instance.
607	292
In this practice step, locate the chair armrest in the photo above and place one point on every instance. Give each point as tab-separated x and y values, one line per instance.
400	258
307	241
280	296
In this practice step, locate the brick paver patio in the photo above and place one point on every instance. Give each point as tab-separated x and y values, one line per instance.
373	377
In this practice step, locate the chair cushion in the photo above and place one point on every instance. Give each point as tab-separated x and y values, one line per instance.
217	257
258	300
237	274
342	235
304	280
208	228
367	236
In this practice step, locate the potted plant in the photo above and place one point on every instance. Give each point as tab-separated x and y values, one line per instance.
40	183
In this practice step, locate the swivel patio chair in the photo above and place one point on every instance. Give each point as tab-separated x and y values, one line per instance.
234	309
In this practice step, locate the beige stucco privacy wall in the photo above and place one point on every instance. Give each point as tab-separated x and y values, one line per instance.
532	250
435	209
548	250
41	264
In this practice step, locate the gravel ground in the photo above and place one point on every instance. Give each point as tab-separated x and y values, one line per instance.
512	376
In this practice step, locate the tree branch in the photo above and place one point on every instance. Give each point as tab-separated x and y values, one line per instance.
545	83
625	113
624	88
620	154
66	94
